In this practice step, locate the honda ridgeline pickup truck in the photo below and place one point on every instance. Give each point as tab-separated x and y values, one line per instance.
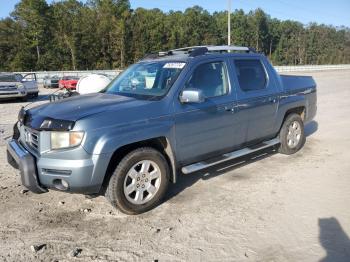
179	111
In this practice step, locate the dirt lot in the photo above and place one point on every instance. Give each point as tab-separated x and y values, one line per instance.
268	207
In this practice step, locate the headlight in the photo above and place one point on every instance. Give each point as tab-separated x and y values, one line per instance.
20	86
61	140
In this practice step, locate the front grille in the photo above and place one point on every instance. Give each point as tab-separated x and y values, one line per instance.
8	88
32	138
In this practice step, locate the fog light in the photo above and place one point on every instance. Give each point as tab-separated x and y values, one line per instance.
65	183
61	184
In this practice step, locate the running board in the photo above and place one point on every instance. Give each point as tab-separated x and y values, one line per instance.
229	156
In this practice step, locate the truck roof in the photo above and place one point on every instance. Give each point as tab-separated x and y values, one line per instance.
187	53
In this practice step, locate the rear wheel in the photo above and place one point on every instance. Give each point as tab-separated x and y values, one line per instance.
139	182
292	135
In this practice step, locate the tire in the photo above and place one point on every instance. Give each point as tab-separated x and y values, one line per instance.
24	99
134	202
292	136
35	95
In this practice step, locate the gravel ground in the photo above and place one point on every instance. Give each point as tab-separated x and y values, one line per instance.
267	207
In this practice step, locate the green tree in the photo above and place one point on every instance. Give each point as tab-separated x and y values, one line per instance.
67	16
104	34
32	15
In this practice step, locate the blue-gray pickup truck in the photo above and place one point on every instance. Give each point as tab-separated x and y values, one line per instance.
178	111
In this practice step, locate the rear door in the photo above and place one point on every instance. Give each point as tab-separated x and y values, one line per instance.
257	97
204	129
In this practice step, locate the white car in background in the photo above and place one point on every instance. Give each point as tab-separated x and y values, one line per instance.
18	86
93	83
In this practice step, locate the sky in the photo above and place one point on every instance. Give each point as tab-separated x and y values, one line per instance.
336	12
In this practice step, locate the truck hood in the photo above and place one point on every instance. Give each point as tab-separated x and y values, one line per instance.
78	107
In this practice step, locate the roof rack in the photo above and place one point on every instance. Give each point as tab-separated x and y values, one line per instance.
226	48
189	48
194	51
157	55
212	48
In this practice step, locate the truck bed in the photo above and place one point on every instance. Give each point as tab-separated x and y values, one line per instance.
291	82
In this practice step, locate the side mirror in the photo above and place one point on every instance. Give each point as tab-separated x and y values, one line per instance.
192	96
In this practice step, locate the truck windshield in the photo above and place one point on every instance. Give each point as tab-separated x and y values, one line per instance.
8	78
146	79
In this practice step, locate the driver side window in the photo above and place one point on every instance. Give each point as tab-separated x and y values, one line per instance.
211	78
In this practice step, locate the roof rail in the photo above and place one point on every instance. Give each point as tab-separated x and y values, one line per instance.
226	48
199	51
150	56
211	48
189	48
157	55
194	51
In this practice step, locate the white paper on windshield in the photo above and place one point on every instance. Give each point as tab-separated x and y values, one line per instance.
174	65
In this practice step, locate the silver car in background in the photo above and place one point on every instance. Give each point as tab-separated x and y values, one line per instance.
18	86
51	81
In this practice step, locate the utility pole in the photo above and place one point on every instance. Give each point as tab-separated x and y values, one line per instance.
229	22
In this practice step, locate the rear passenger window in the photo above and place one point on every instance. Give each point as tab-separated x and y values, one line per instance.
251	74
211	78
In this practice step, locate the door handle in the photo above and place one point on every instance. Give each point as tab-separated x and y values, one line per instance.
226	109
272	99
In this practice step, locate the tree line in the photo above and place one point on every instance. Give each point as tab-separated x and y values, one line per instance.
108	34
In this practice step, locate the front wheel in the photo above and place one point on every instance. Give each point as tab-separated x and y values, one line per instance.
292	136
24	99
139	182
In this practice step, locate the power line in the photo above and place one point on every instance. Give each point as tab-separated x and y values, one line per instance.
229	23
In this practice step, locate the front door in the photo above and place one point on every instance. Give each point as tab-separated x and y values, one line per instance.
204	129
30	83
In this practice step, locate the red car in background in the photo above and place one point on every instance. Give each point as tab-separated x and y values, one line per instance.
68	82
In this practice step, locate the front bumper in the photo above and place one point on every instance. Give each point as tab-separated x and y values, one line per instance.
12	94
32	91
20	158
82	172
